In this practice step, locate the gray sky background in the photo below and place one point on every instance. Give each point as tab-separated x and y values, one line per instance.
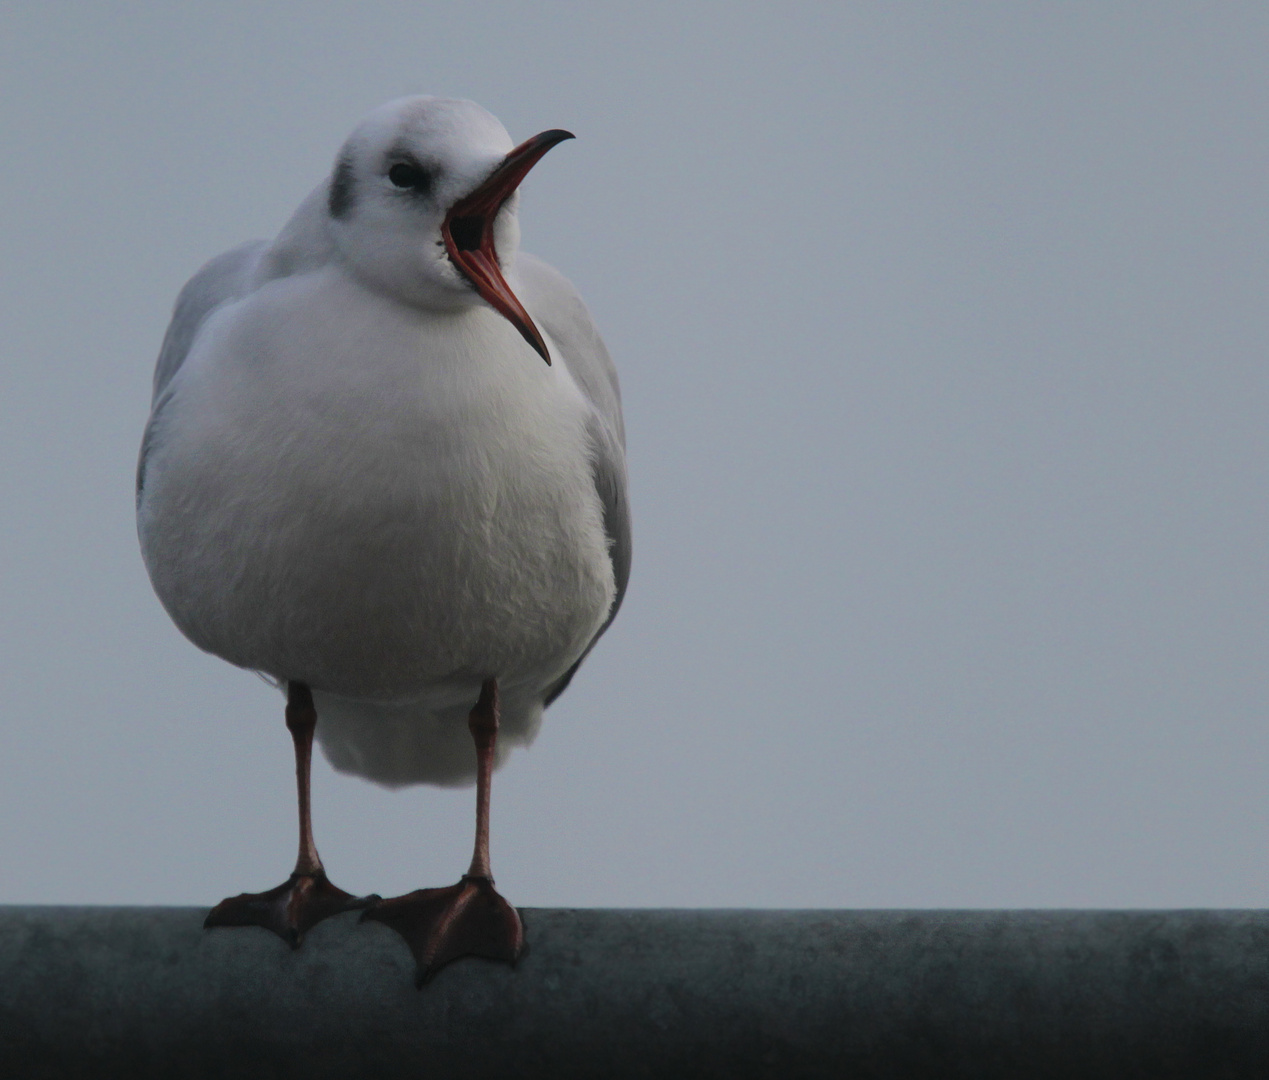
942	331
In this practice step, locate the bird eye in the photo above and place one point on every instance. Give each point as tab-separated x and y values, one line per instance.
410	176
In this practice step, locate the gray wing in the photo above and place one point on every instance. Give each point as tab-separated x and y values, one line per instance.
556	307
226	278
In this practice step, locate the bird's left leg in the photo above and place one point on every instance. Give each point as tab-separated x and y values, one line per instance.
470	918
307	896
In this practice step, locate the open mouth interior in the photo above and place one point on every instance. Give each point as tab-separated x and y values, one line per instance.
467	232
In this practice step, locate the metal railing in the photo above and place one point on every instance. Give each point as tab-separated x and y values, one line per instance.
146	992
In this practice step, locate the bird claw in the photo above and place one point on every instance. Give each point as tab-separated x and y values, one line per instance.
441	925
290	910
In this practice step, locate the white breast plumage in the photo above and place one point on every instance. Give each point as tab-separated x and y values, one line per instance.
345	492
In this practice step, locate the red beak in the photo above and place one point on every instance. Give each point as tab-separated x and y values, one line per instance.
468	233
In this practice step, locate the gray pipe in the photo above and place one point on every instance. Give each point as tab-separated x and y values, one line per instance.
146	992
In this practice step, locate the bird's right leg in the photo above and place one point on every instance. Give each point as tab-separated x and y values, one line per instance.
306	897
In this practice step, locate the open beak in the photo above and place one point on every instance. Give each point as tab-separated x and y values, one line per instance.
468	233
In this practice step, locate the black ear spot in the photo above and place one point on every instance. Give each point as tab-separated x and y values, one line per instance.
340	200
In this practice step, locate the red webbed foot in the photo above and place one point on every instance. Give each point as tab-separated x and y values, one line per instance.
291	909
440	925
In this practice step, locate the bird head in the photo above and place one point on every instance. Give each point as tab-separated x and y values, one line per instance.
422	205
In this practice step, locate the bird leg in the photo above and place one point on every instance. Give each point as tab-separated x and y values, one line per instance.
306	897
470	918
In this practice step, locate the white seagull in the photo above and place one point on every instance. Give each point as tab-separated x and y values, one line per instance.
360	478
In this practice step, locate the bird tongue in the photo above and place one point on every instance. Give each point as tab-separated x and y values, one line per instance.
468	233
